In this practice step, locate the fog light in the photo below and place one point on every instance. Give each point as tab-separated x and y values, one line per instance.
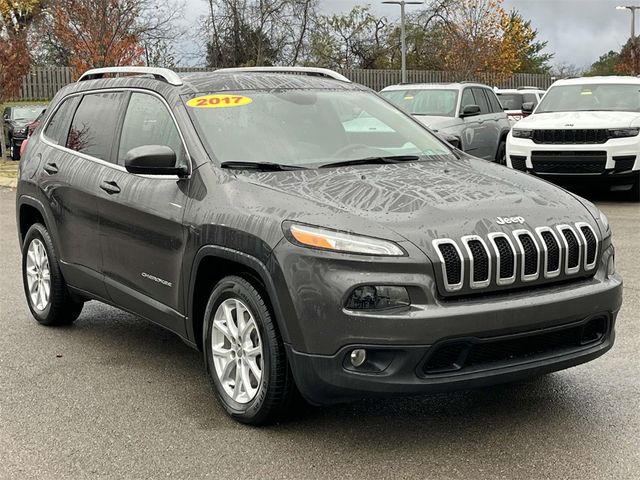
358	357
611	264
378	297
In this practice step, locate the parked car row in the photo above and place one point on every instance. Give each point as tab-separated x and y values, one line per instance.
581	131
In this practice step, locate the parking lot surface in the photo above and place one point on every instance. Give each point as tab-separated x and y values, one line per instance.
114	396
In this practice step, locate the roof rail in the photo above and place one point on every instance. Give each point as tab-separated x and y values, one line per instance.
311	71
163	74
528	87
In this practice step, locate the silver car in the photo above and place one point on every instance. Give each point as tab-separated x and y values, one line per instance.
468	112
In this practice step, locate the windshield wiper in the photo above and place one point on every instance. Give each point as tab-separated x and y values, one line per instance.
262	166
373	161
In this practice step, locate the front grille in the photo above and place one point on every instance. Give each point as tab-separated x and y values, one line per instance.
519	162
568	162
477	354
518	255
570	137
624	163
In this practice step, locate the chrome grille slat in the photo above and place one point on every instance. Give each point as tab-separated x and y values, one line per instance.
590	243
500	278
526	242
450	286
568	237
548	254
479	261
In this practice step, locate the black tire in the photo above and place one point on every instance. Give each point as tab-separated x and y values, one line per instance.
276	391
501	154
634	193
60	309
14	150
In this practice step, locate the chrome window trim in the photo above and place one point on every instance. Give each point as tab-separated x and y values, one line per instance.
105	163
448	286
492	239
483	283
572	270
543	244
534	276
579	225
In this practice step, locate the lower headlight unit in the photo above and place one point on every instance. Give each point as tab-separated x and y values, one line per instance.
611	264
378	297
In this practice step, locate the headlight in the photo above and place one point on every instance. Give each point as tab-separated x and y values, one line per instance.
623	132
343	242
21	131
605	221
519	133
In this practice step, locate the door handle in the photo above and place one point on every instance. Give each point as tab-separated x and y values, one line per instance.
110	187
51	168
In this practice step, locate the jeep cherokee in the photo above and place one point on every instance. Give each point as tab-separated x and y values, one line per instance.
242	210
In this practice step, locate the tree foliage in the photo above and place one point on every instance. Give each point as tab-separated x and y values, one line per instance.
606	64
629	61
16	18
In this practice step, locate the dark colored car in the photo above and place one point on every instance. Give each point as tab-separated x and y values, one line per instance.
16	125
246	212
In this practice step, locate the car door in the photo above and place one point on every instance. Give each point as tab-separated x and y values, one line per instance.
77	141
487	131
142	237
469	134
500	123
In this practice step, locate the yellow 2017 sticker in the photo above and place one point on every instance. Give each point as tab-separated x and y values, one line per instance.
219	101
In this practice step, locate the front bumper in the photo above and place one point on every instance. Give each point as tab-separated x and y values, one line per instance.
322	333
618	152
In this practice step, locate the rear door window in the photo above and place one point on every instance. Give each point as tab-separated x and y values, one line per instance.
94	125
467	98
57	129
148	122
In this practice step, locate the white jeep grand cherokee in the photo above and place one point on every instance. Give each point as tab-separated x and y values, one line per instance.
584	129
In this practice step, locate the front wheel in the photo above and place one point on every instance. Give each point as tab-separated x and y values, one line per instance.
46	291
244	354
14	150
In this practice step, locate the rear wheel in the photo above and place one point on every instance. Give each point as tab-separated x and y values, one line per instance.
46	291
501	154
244	354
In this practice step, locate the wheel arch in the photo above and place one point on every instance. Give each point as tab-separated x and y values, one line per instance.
31	210
210	265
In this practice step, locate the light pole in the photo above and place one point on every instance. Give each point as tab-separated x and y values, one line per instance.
632	9
403	41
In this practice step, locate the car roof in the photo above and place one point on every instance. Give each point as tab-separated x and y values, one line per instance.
598	80
522	90
433	86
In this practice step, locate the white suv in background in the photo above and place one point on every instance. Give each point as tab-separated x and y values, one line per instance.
583	130
513	99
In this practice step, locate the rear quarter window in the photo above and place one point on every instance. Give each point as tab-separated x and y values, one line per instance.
57	129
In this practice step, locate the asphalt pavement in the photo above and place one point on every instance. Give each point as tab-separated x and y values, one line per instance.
114	396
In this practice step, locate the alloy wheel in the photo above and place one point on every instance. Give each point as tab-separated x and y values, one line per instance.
38	275
237	350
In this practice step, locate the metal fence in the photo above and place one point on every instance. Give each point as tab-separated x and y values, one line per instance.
43	82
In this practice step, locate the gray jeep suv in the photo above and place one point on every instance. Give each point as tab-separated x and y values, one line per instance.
243	211
468	112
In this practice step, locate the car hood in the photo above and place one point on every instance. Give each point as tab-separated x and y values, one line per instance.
560	120
420	201
437	123
20	123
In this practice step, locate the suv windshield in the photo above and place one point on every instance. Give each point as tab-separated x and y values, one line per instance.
439	103
26	113
307	127
604	97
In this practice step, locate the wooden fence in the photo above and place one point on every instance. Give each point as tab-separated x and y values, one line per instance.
43	82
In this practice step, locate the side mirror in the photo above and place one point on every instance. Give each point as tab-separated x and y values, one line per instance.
6	118
153	160
527	108
470	110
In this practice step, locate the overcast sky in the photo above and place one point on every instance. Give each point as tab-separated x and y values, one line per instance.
578	31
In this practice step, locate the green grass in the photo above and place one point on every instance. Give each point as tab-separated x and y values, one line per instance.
8	168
